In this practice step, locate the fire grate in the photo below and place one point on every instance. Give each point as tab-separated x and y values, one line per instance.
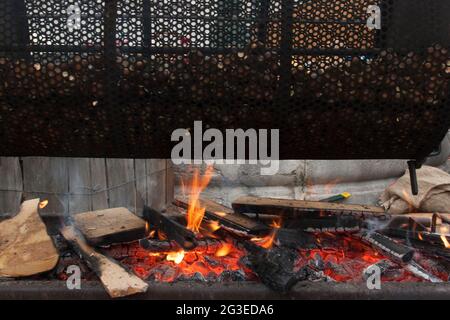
115	78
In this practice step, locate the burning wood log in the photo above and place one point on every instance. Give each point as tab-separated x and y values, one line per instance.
226	216
387	246
420	272
117	281
172	229
105	227
384	265
420	228
275	267
206	246
25	247
333	224
295	239
290	208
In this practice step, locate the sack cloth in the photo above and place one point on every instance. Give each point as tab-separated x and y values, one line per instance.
434	193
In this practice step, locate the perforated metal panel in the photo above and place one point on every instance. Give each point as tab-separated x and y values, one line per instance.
135	70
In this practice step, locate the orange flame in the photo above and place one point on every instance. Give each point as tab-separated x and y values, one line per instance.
267	241
43	204
214	226
445	241
176	257
195	212
224	250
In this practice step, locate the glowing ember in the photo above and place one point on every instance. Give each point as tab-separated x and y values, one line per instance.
195	212
214	226
224	250
43	204
176	257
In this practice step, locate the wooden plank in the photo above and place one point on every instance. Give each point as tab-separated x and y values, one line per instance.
226	216
11	185
140	171
170	182
109	226
25	247
47	178
156	183
121	183
117	281
80	188
249	204
99	184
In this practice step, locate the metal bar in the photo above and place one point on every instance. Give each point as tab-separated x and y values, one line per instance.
183	50
206	18
412	165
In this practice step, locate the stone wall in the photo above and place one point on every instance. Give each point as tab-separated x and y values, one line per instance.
309	179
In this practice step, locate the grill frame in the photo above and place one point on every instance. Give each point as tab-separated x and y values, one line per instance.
314	121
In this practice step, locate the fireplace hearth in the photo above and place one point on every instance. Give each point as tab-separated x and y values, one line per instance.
271	248
94	95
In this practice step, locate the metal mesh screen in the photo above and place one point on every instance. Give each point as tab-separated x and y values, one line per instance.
115	78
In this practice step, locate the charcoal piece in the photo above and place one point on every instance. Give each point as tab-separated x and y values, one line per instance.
417	270
207	245
275	267
315	276
211	261
295	239
198	277
232	275
317	262
333	224
387	268
387	246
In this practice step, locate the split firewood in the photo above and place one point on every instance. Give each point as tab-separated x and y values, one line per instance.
117	281
105	227
25	247
290	208
172	229
430	228
226	216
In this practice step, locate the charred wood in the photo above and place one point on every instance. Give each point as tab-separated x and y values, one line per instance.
420	272
275	267
387	246
207	246
117	281
333	224
173	230
295	239
294	208
227	217
385	266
